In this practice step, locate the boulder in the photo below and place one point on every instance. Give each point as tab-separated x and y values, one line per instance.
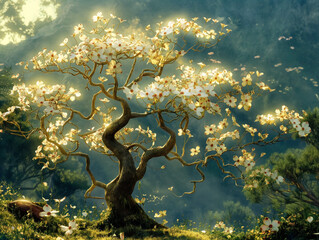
25	208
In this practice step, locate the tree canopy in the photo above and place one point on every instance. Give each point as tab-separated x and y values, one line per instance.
127	77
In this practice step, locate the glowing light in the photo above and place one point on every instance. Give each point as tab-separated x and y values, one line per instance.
19	18
35	10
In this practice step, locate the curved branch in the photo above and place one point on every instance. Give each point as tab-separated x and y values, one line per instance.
158	151
195	181
138	115
93	109
93	180
137	145
184	163
131	72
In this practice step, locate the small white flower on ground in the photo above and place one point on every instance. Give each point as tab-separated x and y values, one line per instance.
309	219
69	229
228	230
270	225
84	213
47	211
59	200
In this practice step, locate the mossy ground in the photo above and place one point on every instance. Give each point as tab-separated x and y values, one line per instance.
12	228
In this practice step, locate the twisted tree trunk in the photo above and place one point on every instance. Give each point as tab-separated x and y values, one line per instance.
122	208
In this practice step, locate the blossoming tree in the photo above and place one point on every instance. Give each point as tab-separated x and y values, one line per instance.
129	71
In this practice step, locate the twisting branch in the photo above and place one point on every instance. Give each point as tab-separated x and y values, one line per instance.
176	156
93	180
144	73
127	173
195	181
158	151
93	109
131	72
229	174
137	145
138	115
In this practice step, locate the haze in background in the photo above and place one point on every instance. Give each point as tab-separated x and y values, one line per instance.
279	38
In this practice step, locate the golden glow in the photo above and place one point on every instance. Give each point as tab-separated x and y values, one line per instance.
29	12
34	10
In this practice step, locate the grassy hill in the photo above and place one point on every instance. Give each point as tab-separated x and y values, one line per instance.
14	227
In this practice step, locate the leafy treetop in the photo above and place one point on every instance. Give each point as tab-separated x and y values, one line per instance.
129	69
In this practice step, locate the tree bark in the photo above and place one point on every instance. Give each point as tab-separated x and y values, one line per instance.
122	208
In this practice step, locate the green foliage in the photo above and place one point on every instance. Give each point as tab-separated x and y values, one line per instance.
300	169
12	228
293	227
18	166
313	119
5	85
234	214
68	178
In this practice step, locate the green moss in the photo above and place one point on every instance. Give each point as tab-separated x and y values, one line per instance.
11	228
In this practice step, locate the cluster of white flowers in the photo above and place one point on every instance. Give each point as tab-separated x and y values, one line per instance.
302	128
51	97
222	225
246	160
196	91
266	173
48	212
283	114
193	90
10	110
104	45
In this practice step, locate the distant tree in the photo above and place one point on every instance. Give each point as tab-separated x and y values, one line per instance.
234	214
300	170
17	165
5	85
312	118
68	179
97	60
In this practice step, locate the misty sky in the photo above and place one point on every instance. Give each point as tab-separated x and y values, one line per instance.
279	38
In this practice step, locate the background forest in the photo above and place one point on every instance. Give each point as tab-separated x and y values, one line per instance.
279	38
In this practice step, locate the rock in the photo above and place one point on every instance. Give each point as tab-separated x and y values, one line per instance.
25	208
